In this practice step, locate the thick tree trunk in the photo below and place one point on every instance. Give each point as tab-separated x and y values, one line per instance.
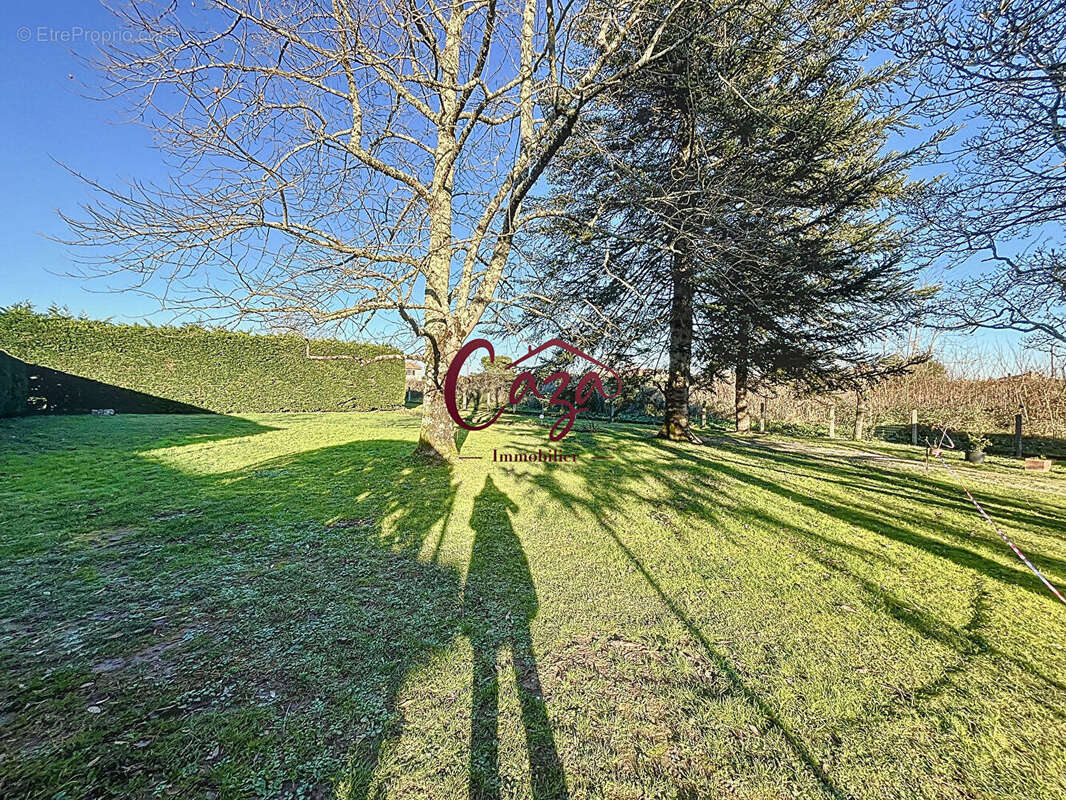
742	413
675	418
437	436
860	415
741	375
436	439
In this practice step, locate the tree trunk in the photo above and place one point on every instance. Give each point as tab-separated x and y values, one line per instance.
675	417
743	416
437	436
442	336
860	415
741	375
436	439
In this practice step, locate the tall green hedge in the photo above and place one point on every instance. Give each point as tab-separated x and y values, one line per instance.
208	369
13	386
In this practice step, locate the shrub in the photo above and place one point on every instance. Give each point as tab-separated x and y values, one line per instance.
210	370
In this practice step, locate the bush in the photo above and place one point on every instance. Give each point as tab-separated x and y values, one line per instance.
13	386
190	366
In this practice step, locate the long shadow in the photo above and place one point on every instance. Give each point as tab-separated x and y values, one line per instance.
499	602
882	524
700	492
53	391
943	489
273	609
966	640
860	472
127	434
603	498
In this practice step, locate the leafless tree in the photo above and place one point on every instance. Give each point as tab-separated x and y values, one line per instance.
1026	293
333	161
998	69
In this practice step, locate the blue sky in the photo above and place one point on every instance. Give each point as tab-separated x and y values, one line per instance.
48	118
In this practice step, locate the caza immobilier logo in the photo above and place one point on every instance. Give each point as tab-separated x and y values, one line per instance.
526	383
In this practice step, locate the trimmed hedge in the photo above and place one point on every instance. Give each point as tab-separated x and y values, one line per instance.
14	386
210	370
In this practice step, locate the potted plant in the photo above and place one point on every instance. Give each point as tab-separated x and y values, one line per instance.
977	444
972	421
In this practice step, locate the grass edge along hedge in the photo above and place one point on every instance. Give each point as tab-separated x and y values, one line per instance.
212	370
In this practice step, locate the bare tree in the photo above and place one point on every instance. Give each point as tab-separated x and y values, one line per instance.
998	69
333	161
1025	293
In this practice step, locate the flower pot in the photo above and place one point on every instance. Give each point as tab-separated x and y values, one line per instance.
975	456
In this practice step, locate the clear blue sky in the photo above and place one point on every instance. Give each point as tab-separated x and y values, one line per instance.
48	118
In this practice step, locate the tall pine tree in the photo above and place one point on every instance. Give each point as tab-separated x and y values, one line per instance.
732	205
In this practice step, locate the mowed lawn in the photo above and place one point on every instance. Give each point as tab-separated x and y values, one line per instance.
290	606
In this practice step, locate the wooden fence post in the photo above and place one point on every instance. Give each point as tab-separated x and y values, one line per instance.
703	416
612	411
762	417
1018	433
832	422
914	426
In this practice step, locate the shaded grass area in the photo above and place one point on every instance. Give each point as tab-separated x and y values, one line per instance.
290	606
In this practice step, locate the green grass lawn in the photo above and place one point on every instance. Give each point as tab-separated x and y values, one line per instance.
289	606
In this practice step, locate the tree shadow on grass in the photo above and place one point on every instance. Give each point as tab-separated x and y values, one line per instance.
967	639
251	640
699	481
958	546
864	470
602	499
499	602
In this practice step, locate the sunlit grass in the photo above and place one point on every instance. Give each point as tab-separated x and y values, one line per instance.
292	606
